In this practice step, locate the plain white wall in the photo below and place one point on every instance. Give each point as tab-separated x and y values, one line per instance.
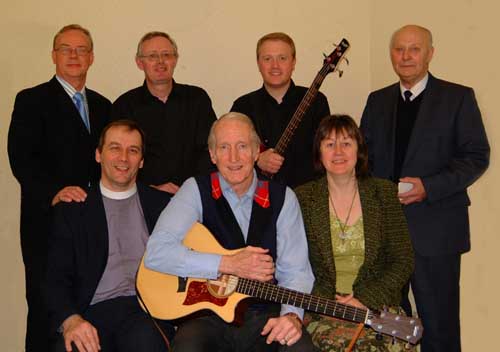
217	40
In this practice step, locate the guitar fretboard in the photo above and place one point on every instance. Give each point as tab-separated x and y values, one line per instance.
273	293
330	65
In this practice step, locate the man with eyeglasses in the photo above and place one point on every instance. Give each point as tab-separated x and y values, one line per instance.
52	138
175	117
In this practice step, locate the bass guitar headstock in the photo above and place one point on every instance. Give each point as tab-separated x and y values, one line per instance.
333	60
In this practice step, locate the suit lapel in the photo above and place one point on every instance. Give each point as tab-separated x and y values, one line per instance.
96	228
67	106
389	130
146	204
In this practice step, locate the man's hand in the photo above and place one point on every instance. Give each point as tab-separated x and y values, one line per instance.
416	194
270	161
286	329
69	194
81	333
167	187
350	300
250	263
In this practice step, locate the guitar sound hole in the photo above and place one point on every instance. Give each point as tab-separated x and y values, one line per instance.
224	286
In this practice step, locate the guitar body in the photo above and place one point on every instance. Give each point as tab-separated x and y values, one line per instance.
170	297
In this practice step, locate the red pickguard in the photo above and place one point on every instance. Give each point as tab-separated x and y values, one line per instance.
198	292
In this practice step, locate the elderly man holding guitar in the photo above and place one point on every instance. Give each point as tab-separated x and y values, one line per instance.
260	217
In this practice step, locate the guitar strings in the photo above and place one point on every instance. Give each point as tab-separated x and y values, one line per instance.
294	122
307	301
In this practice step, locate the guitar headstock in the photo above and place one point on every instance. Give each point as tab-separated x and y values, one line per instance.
332	61
405	328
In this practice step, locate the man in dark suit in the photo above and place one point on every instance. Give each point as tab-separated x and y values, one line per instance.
428	135
52	138
95	249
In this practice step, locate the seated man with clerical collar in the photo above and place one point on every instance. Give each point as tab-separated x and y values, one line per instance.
95	249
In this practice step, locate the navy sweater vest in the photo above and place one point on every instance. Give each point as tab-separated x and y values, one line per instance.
220	220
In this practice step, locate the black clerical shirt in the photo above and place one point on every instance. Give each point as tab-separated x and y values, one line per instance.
176	131
271	119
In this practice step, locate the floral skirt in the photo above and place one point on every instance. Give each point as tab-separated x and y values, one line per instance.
332	335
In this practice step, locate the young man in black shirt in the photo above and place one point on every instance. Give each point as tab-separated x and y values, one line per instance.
272	106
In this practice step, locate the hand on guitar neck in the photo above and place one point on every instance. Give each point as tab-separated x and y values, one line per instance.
270	162
251	263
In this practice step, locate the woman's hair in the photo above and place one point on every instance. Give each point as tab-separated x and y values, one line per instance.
343	124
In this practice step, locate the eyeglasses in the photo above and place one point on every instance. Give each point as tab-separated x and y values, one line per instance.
67	51
156	57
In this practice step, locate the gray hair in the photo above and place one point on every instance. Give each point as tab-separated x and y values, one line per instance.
73	27
236	116
154	34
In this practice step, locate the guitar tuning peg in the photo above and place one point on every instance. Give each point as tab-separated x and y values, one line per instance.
325	56
346	60
340	73
335	45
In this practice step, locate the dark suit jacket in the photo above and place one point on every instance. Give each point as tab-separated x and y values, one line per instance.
78	250
50	148
448	150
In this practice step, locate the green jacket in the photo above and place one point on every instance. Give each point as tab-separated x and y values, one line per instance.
388	251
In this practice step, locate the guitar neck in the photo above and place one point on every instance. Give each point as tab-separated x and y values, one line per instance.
273	293
297	117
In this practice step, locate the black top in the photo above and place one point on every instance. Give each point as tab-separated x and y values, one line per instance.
271	119
406	116
176	131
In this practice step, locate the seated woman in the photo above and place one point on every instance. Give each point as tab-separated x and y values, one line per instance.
359	246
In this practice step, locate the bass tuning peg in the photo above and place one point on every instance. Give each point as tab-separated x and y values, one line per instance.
346	60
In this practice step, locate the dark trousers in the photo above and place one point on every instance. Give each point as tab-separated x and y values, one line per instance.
34	247
211	333
122	326
436	286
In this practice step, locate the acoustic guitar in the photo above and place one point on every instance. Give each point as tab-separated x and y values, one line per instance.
330	64
170	297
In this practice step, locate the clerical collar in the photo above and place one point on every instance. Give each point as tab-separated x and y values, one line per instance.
416	89
117	195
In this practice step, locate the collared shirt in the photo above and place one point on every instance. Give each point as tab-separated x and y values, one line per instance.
416	89
176	131
72	91
166	253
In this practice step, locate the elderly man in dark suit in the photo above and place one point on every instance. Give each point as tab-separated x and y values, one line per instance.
95	249
428	135
52	137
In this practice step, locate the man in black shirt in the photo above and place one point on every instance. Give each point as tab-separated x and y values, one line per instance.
176	118
272	106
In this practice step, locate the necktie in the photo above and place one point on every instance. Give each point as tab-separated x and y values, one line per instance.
80	105
407	94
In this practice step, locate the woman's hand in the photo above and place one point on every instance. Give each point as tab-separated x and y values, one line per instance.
350	300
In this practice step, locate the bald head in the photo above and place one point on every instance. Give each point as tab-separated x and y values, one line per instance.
411	53
413	28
